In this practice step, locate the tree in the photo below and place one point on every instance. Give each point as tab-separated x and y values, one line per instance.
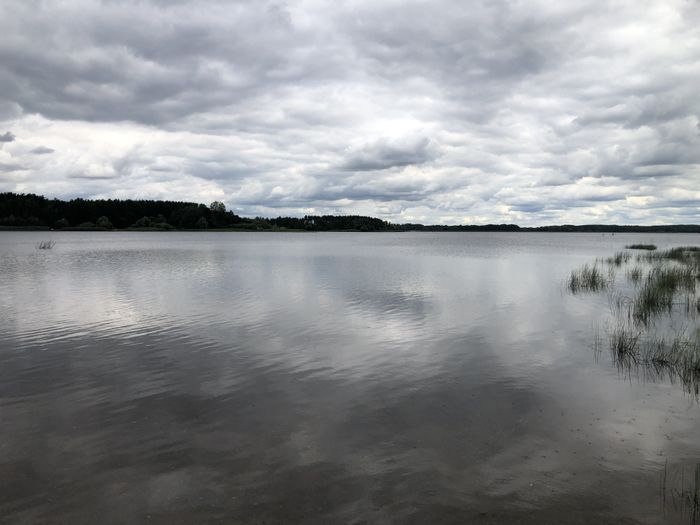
188	216
103	222
217	207
143	222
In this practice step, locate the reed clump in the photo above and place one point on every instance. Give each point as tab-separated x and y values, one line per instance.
683	491
635	274
587	279
630	345
665	283
45	245
660	290
624	345
619	258
677	354
649	247
686	255
680	352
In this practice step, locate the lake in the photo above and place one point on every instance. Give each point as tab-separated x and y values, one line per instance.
326	378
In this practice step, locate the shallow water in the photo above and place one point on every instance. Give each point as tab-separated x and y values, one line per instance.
326	378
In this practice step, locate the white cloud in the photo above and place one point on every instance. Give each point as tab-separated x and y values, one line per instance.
432	111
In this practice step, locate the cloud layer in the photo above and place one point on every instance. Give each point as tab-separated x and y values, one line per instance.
440	111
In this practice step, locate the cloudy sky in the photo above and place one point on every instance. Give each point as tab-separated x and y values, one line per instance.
534	112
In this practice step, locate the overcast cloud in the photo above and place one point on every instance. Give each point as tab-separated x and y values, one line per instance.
532	112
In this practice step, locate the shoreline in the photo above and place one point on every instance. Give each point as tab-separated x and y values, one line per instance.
439	229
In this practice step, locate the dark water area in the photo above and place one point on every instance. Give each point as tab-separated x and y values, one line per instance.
326	378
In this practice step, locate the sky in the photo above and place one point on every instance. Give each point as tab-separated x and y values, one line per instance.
438	111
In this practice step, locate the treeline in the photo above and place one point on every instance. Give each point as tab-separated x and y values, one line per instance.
459	228
29	210
19	211
614	228
332	223
590	228
36	212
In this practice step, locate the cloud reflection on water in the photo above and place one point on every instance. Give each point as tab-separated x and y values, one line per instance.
252	377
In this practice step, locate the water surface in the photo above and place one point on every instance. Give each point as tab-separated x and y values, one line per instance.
325	378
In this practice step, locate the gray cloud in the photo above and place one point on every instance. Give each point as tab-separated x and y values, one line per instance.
491	111
92	176
11	166
383	154
41	150
7	137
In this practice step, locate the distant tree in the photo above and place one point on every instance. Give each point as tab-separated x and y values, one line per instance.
217	207
61	223
11	220
201	223
189	216
34	210
143	222
260	223
86	224
103	222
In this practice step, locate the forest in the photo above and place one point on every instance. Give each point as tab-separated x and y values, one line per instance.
29	211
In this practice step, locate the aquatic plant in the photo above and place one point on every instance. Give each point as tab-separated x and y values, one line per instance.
660	290
665	283
635	274
686	255
624	345
641	247
45	245
677	355
587	279
682	491
619	258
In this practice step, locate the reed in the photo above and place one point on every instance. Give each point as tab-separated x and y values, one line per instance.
660	290
677	354
624	345
641	247
45	245
619	258
665	282
587	279
683	491
686	255
635	274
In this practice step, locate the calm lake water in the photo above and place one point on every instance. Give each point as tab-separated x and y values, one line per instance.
325	378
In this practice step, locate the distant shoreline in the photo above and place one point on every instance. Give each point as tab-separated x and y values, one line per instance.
688	229
30	212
